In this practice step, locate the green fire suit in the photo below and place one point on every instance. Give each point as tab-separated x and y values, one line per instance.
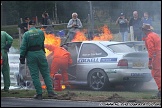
32	41
6	42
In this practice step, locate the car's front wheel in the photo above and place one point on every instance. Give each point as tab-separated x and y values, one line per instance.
97	80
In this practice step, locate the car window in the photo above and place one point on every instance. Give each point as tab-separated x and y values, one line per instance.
90	50
121	48
137	46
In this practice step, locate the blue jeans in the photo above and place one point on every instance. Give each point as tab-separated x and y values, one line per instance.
124	36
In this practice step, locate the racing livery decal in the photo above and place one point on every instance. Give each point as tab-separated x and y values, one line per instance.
88	60
96	60
108	60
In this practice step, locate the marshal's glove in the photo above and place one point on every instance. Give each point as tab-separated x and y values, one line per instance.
22	59
7	47
150	64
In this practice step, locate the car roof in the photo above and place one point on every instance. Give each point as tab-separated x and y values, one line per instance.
107	43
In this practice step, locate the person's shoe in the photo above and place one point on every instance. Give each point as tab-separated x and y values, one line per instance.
5	90
52	94
159	94
38	96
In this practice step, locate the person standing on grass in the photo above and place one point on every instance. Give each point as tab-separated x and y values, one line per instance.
153	45
6	42
32	48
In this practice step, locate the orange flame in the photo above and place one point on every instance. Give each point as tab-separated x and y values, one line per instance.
79	36
43	86
51	39
103	36
106	35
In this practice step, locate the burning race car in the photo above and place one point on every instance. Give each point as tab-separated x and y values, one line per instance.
102	64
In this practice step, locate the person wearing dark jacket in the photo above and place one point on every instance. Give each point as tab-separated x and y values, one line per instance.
45	19
24	25
136	22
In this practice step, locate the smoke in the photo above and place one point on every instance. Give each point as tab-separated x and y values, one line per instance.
13	50
151	85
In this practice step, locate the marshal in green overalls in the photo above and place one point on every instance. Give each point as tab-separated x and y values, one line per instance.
32	48
6	42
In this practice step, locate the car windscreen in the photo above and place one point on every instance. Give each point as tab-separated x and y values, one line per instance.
121	48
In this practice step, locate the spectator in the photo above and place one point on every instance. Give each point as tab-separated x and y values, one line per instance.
45	19
74	25
32	48
153	45
24	25
123	27
6	42
61	61
146	19
137	24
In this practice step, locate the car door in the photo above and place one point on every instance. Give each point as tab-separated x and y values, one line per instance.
73	48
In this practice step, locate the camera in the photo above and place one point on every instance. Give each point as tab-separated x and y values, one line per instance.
76	26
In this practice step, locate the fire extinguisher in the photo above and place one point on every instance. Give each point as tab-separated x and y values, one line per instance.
58	82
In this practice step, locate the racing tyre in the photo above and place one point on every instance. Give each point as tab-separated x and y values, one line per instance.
97	80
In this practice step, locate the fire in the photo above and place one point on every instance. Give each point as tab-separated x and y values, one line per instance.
44	87
79	36
105	35
51	39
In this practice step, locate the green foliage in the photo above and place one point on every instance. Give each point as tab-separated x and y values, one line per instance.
16	43
12	30
12	11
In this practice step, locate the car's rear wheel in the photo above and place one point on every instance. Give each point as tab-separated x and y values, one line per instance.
97	80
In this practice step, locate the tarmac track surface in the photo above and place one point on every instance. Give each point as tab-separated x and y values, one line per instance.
29	102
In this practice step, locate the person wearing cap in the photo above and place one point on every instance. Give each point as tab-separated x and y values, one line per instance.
123	26
153	45
32	48
136	23
6	42
74	25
